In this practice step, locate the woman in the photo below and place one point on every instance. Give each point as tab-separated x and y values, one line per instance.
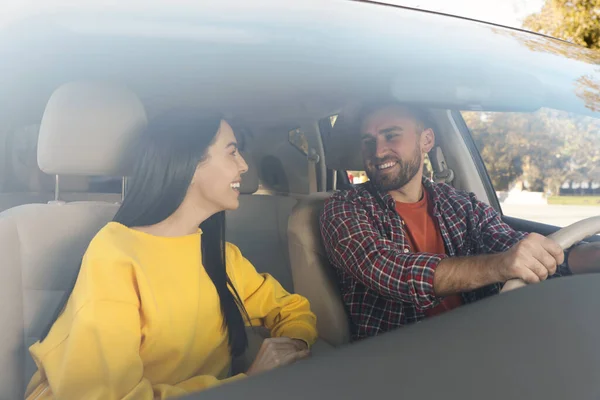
159	306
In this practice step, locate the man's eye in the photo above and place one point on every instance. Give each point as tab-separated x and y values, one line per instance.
391	136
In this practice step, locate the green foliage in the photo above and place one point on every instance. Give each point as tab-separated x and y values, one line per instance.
575	200
577	21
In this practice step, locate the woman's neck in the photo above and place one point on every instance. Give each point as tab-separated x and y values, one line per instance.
184	221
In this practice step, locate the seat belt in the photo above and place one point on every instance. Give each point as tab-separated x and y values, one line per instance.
441	172
313	160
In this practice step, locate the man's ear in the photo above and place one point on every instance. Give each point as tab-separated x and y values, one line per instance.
427	140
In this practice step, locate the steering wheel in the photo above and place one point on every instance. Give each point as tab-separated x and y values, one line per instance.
565	237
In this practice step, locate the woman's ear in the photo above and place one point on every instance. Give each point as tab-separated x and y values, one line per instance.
427	140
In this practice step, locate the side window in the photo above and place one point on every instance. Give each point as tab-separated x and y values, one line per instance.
544	166
357	177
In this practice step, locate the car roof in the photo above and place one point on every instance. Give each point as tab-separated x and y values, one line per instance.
300	58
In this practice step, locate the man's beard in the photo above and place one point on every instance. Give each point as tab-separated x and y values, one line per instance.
405	171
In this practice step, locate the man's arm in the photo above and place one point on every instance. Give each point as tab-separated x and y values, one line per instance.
532	259
354	244
463	274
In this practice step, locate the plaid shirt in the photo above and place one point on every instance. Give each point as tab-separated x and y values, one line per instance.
386	285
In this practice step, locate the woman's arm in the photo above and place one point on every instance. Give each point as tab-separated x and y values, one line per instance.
269	304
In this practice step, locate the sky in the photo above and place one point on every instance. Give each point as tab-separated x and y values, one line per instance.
504	12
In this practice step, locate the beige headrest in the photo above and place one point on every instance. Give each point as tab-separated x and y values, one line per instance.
22	145
25	171
87	129
342	145
249	179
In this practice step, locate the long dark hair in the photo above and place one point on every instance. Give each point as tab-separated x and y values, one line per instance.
164	163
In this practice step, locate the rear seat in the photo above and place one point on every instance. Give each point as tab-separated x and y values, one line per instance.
259	228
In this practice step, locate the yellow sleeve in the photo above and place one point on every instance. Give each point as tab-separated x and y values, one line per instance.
269	304
93	352
101	359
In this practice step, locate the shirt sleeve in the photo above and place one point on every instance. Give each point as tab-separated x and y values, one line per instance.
354	245
99	357
269	304
498	236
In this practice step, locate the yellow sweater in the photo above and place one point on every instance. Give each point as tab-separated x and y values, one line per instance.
144	320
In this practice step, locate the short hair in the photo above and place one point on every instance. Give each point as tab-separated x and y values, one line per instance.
418	113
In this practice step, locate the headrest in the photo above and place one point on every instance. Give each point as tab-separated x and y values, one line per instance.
249	179
87	128
342	145
22	149
26	174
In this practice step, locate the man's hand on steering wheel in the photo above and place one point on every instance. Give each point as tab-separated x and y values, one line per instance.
584	258
533	259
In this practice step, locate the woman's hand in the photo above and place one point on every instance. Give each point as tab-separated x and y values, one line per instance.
278	352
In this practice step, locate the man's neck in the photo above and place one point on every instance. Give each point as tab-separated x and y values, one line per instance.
412	192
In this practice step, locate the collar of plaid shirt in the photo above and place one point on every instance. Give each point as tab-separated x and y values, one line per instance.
386	285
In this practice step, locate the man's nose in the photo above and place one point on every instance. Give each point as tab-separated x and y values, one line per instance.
381	148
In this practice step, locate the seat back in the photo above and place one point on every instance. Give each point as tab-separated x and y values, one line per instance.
41	247
259	228
312	273
84	131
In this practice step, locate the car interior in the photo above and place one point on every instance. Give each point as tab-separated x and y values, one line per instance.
277	230
65	133
53	163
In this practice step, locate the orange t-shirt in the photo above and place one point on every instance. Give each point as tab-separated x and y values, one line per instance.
424	236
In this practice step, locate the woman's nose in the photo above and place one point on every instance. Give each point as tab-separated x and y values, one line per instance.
243	166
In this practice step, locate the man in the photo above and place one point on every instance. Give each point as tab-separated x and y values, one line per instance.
406	248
